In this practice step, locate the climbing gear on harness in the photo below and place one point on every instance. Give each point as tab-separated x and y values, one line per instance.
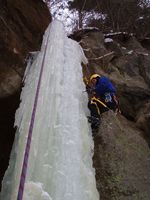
108	97
94	76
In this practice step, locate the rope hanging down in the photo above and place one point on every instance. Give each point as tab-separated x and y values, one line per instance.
28	144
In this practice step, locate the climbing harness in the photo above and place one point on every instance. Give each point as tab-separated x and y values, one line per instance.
98	110
108	97
98	100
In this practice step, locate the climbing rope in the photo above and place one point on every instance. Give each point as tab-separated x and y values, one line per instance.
28	144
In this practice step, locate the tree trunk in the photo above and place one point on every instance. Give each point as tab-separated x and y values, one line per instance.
80	24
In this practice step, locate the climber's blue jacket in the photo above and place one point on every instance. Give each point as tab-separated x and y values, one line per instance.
104	86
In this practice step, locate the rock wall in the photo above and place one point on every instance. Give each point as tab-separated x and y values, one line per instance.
121	160
22	24
127	64
122	153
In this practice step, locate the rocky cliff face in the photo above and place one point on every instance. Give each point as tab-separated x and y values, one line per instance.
22	24
122	154
121	160
123	59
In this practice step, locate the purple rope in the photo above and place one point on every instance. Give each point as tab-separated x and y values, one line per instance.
28	144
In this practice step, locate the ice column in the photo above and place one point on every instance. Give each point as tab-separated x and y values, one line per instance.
60	160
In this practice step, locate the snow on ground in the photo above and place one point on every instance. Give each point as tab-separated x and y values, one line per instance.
107	40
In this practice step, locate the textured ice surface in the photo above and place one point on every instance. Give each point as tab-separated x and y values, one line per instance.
60	161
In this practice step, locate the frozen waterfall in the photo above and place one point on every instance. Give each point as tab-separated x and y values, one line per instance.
54	110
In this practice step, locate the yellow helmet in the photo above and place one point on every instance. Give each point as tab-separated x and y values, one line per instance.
94	76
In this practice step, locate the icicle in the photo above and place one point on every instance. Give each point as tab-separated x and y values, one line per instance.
60	159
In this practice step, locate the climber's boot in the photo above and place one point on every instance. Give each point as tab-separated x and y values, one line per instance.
95	122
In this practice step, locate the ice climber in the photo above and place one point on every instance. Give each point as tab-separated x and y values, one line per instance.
103	98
